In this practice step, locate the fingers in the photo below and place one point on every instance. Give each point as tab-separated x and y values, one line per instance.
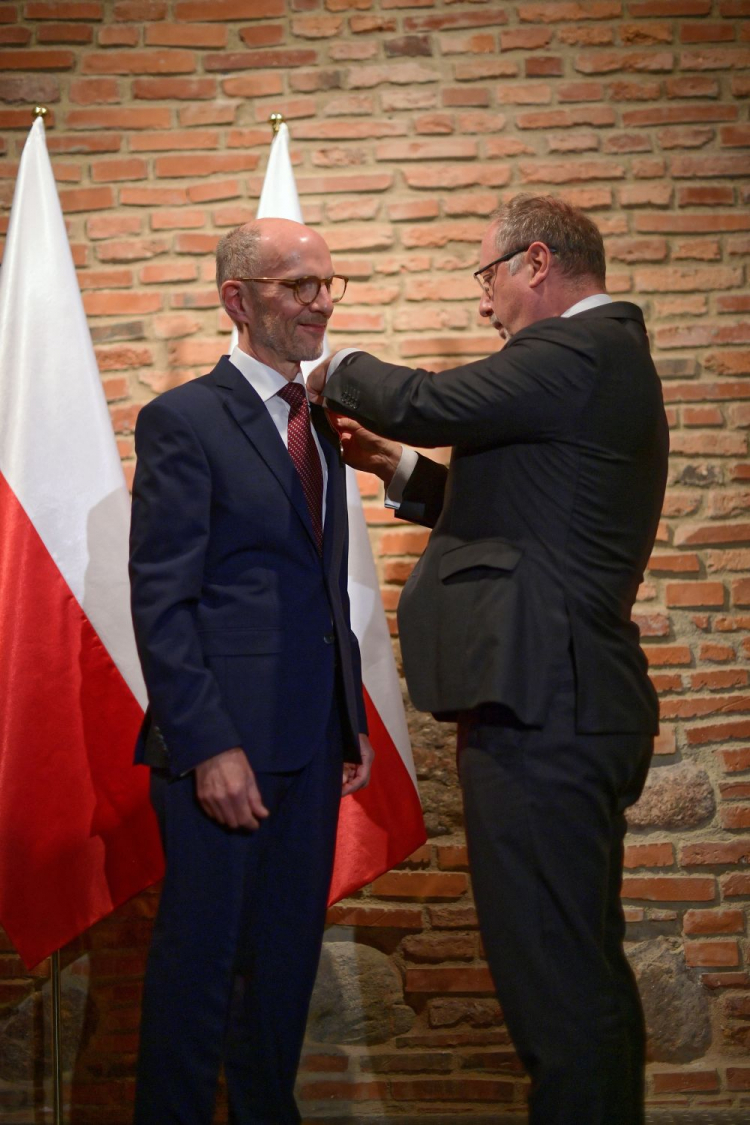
226	788
316	382
357	776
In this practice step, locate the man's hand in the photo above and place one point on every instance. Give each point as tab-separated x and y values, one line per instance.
365	450
316	381
357	775
226	788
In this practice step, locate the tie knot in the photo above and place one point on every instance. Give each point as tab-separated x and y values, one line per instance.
294	394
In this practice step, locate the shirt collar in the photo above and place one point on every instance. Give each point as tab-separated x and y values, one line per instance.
264	380
588	303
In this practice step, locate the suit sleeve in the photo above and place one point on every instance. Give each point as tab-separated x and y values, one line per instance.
168	541
526	392
422	500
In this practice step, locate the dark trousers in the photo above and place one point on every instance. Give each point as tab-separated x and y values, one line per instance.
235	948
545	828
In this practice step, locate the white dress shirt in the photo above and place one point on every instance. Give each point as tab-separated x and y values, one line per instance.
267	383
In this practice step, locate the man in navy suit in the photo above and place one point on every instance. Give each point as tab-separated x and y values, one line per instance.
238	572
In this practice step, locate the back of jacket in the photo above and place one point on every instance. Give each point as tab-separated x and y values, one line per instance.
548	518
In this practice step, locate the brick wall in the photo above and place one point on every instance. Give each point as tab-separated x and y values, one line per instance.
409	119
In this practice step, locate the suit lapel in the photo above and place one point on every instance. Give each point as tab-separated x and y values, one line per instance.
335	521
251	415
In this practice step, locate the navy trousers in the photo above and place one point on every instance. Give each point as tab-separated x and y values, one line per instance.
236	946
545	827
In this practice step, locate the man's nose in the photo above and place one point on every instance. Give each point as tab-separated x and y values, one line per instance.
485	306
323	303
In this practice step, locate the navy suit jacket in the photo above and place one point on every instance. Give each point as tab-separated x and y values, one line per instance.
240	624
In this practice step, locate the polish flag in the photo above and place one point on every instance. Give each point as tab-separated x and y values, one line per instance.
381	825
77	834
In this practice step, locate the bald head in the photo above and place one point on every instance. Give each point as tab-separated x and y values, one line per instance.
257	267
259	248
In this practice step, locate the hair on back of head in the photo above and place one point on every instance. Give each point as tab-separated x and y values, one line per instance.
238	254
545	218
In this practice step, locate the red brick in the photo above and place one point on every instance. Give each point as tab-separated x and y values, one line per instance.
695	594
735	817
738	729
375	916
738	1077
36	60
197	10
167	273
715	58
649	855
736	760
320	1062
685	1081
639	8
144	10
111	303
438	980
259	60
735	886
420	885
343	1091
162	89
63	10
139	62
205	164
669	888
56	33
562	11
86	199
456	1089
105	279
722	921
181	35
717	164
712	954
718	653
707	534
128	168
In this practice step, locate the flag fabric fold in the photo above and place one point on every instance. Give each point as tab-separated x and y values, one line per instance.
381	825
77	833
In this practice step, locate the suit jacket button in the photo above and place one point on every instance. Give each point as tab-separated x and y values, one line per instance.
329	638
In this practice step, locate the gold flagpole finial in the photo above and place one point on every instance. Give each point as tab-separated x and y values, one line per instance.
40	111
276	120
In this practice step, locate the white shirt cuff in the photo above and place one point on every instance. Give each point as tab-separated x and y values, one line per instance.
337	359
406	466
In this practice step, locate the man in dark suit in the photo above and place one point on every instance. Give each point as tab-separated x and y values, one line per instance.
239	570
516	621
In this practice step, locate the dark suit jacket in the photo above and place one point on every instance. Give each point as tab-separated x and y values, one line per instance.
542	525
238	621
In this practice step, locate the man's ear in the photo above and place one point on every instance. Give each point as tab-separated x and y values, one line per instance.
539	258
231	298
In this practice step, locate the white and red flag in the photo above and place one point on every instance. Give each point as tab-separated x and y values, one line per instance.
77	833
381	825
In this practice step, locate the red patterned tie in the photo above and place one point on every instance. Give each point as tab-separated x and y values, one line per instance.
304	454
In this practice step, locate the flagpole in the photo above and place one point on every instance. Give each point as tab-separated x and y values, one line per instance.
56	1021
57	1102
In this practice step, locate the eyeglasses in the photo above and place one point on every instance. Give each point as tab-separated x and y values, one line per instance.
485	278
306	289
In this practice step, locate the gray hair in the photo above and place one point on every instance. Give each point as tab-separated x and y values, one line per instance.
238	254
545	218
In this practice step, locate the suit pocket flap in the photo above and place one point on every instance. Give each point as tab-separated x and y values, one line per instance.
497	554
239	642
